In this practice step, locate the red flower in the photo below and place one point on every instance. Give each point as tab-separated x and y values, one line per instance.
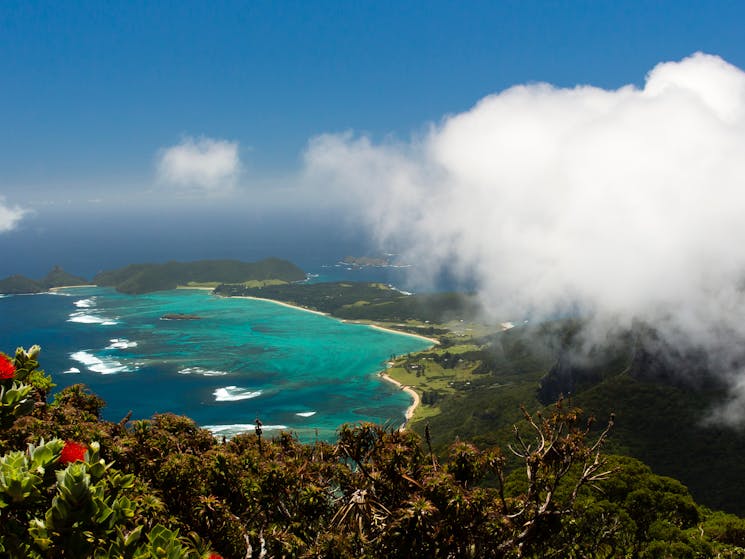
214	556
73	452
7	369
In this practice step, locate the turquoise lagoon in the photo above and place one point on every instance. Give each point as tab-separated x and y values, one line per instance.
242	358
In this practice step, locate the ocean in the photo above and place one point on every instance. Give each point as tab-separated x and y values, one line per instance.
241	359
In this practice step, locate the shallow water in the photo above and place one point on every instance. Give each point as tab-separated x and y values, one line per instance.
242	358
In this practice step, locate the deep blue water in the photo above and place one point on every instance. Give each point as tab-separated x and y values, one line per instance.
240	360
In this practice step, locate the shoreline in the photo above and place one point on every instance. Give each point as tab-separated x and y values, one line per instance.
61	287
416	399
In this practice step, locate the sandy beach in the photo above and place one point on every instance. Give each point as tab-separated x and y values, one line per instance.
410	391
401	332
61	288
298	307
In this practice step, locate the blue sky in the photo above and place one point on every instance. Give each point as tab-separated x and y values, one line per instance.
91	91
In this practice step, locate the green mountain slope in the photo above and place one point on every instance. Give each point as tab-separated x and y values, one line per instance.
660	406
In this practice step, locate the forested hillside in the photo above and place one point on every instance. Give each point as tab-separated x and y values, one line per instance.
660	412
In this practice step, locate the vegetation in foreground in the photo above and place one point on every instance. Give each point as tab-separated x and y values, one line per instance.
72	485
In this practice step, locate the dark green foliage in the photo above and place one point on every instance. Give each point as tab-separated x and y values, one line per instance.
662	425
144	278
164	488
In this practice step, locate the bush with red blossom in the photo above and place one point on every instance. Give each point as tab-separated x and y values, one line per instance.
7	368
73	452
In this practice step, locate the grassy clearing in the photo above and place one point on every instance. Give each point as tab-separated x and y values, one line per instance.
438	374
251	284
264	283
473	383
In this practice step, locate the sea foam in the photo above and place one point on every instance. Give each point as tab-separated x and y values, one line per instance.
234	393
98	365
84	318
85	303
120	343
306	413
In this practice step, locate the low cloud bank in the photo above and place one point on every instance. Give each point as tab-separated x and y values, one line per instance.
624	204
10	216
201	166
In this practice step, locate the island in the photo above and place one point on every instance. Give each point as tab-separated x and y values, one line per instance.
180	316
365	261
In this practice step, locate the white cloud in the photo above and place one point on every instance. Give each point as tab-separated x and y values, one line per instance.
627	203
9	216
200	165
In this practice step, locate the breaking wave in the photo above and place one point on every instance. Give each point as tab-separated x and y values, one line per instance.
234	393
120	343
84	318
104	366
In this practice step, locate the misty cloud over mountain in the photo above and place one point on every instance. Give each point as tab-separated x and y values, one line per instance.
625	205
